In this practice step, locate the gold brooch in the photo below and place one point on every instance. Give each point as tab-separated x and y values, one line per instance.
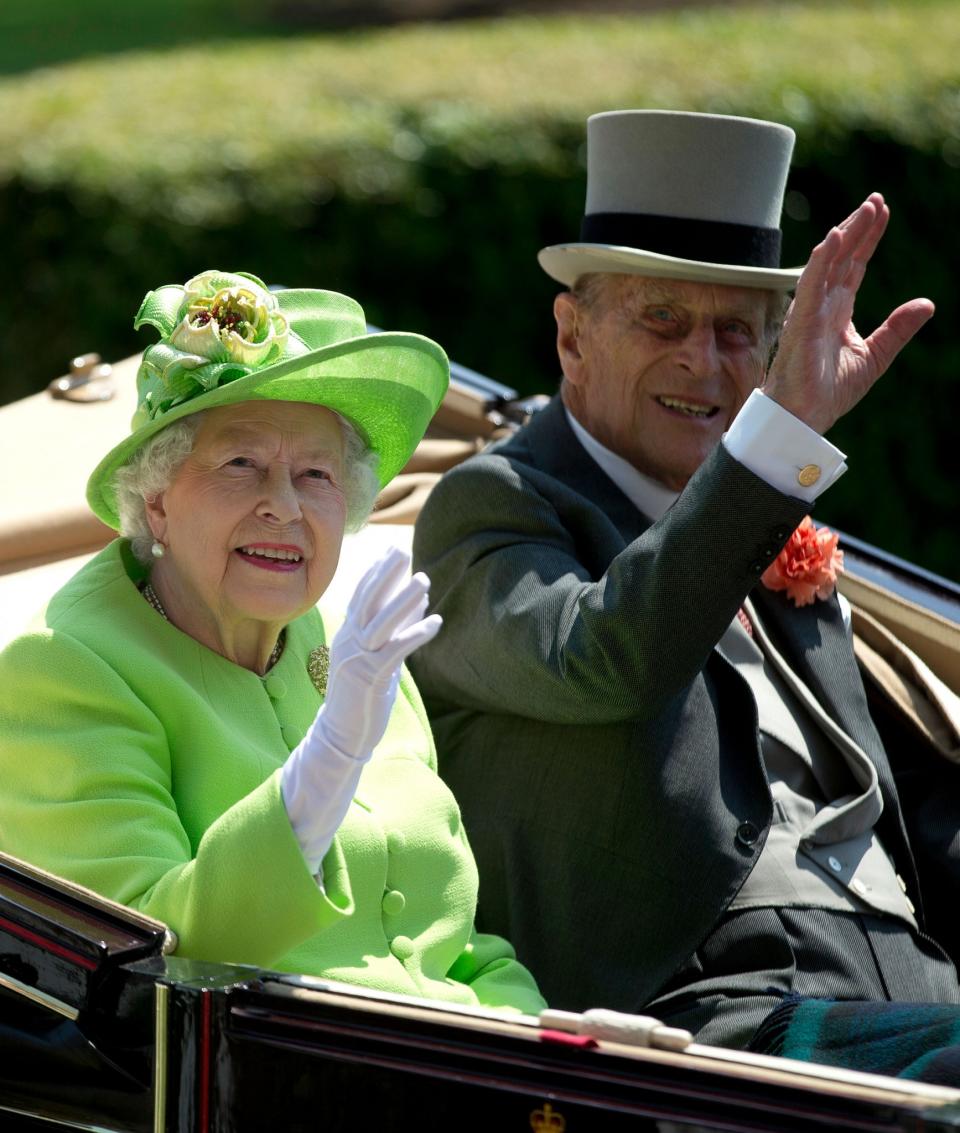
318	666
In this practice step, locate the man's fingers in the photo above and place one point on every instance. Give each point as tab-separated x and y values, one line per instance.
840	259
874	200
863	248
859	236
810	286
895	332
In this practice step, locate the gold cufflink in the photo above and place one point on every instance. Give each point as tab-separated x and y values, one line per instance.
808	475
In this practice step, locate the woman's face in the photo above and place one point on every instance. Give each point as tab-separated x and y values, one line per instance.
253	519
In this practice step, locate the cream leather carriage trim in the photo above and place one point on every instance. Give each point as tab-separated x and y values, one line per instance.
933	638
909	683
42	499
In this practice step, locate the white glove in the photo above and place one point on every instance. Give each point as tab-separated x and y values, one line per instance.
384	623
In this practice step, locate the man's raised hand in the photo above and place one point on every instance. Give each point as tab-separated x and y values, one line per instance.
823	367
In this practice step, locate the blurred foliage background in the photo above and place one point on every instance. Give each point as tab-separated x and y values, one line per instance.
419	167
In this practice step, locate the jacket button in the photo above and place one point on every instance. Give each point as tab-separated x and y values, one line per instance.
402	947
396	842
393	902
276	687
747	834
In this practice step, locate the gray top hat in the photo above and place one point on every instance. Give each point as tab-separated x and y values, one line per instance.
680	195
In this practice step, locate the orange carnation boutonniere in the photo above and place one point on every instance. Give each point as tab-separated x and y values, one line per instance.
808	565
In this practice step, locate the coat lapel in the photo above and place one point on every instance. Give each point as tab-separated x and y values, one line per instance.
555	450
814	641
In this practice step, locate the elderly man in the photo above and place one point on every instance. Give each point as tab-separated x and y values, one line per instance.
669	773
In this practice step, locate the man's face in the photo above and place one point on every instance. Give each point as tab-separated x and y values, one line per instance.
657	369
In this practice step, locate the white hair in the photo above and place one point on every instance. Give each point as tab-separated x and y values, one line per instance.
152	468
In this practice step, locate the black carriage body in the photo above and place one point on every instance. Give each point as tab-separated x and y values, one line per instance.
99	1030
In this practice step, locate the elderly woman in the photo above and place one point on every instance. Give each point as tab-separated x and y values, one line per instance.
175	734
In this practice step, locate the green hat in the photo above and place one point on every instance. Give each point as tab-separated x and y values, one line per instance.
225	339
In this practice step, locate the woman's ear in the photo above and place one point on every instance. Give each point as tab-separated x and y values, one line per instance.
156	516
567	313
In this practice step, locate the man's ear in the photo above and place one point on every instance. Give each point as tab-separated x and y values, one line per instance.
566	311
156	514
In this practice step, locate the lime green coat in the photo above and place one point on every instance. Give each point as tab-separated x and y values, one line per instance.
141	764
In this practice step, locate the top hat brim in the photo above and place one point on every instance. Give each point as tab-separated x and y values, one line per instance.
567	262
388	385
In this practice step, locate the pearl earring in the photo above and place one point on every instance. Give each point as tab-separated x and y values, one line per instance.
158	550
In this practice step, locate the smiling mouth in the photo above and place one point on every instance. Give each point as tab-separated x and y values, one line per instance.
271	558
688	408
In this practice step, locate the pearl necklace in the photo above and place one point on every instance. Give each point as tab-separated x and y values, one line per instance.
151	596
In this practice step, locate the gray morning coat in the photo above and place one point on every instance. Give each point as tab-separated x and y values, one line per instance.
605	756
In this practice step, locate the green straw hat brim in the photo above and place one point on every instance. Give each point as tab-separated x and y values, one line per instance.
388	385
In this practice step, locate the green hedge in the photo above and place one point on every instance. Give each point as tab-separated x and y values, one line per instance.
420	169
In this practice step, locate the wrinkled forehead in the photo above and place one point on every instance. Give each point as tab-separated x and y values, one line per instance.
265	424
630	291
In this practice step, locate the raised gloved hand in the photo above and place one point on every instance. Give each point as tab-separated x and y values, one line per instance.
384	623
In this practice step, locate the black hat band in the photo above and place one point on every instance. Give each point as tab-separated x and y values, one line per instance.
710	241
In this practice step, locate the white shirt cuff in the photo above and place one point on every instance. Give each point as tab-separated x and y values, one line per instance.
781	449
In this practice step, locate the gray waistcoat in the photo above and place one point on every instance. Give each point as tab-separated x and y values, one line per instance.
821	850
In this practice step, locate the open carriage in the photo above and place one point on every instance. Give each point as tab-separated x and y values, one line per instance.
104	1027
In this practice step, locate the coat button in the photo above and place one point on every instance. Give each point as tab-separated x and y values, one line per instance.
393	902
835	864
747	834
396	842
276	686
402	947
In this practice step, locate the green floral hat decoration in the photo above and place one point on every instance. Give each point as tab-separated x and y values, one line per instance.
224	338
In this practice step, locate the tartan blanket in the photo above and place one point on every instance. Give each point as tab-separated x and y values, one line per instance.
904	1040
